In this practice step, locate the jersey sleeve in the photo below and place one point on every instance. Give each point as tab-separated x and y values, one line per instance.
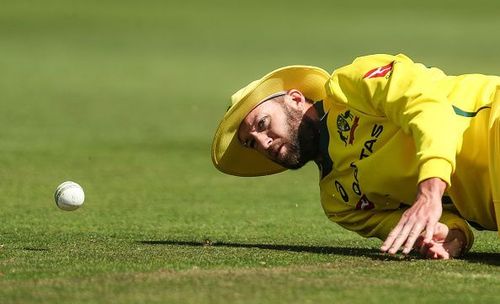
407	94
380	223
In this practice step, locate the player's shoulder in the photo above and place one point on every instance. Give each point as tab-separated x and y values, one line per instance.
363	64
379	59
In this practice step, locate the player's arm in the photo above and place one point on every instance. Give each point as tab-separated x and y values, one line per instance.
406	93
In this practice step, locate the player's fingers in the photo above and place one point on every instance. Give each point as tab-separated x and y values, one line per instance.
419	242
412	237
395	232
438	254
429	231
392	236
401	238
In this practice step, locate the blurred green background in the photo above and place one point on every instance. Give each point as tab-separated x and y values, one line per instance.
123	97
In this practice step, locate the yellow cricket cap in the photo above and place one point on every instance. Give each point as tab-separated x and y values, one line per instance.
228	154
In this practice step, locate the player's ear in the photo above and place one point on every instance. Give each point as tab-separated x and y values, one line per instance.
296	96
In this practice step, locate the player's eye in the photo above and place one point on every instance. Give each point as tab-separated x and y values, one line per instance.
262	124
250	144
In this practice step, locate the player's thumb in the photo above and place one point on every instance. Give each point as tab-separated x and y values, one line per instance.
440	232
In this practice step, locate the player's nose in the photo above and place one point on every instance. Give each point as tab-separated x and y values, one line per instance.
263	141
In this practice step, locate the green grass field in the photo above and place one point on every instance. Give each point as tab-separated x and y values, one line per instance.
123	97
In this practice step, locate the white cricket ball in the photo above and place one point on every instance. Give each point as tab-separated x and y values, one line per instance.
69	196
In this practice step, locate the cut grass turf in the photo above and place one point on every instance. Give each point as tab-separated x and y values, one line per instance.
123	98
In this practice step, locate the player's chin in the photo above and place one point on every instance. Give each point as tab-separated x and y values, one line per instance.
292	163
292	157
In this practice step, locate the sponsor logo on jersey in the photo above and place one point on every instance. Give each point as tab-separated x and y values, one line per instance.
379	72
346	126
367	149
341	191
364	204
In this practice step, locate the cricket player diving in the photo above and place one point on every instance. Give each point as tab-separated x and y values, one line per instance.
405	152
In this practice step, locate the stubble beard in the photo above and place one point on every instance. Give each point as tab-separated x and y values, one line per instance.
303	142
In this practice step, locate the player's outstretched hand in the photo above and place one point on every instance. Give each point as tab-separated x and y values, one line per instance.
423	215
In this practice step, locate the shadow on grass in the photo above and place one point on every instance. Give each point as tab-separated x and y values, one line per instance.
490	258
372	253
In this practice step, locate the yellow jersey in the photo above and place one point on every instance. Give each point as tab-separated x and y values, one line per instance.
389	123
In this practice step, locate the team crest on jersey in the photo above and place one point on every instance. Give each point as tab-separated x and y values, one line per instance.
364	204
380	71
346	126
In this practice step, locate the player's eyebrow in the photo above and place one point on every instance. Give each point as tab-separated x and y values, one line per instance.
243	141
